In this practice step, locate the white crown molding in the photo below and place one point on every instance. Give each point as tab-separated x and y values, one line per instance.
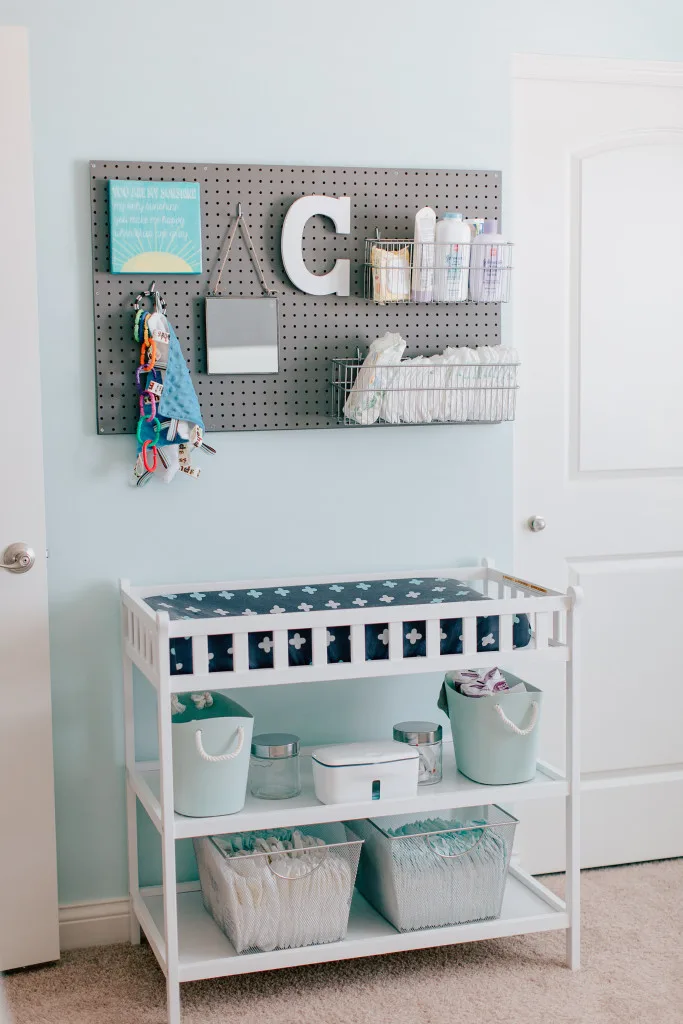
94	923
600	70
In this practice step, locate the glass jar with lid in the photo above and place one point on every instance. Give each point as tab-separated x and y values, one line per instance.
427	738
274	772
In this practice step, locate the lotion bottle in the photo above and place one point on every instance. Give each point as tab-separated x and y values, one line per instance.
490	265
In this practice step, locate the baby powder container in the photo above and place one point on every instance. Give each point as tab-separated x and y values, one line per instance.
275	766
211	735
452	258
496	737
371	770
426	737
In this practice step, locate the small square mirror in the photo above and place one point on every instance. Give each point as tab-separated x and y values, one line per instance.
241	335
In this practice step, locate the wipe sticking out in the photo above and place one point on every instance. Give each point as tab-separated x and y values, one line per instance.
364	403
423	255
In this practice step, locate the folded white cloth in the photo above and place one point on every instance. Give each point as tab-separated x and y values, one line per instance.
482	682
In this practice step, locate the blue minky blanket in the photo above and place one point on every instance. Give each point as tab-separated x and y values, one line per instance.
335	596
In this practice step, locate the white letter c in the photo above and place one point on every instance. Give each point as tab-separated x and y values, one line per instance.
338	281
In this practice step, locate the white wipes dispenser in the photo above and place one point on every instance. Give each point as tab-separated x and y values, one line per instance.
211	739
371	770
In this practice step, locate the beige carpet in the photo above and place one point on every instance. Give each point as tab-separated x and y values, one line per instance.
632	974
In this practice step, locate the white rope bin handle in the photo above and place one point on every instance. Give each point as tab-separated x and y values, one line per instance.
515	728
215	758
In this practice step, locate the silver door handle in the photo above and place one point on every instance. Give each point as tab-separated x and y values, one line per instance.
536	524
18	557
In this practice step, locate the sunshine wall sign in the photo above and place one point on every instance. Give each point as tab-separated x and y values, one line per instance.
155	227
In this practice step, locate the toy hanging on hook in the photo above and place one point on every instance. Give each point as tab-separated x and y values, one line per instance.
170	423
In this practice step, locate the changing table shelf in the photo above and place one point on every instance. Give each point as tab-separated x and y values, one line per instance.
488	618
455	790
205	952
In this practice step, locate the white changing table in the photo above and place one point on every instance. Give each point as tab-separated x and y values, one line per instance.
186	941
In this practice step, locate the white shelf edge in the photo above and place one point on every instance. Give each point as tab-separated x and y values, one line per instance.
206	953
455	791
515	660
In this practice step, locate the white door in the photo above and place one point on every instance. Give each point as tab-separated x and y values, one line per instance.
28	872
597	195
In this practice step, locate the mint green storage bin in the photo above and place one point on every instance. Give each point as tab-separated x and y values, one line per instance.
211	744
495	738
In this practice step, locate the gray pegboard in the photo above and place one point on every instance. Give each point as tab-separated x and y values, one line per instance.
313	329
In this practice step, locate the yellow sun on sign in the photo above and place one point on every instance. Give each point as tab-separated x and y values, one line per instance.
156	263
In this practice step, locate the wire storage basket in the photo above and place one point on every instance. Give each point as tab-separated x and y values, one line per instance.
280	888
399	270
422	391
444	871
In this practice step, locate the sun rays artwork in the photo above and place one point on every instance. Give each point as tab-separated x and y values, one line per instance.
155	227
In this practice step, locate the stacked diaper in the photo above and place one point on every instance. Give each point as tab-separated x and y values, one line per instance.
458	385
435	872
365	400
277	890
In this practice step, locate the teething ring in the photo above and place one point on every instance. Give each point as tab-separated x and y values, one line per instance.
150	344
146	445
147	396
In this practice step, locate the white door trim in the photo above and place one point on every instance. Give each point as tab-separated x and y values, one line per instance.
604	70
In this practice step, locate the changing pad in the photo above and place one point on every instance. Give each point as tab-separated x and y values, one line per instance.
214	604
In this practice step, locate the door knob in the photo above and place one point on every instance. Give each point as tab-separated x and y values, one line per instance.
536	524
18	557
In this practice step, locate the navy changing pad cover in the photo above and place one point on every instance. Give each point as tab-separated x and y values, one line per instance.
378	594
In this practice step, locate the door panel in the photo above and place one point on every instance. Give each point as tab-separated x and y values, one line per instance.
629	370
598	222
28	873
632	652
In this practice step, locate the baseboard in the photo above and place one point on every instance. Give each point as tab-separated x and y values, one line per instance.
94	923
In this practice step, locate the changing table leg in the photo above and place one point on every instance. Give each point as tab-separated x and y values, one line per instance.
573	876
131	799
168	830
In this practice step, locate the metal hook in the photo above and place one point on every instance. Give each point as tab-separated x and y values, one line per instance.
239	210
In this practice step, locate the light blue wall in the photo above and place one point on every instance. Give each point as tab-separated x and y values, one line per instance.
398	83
